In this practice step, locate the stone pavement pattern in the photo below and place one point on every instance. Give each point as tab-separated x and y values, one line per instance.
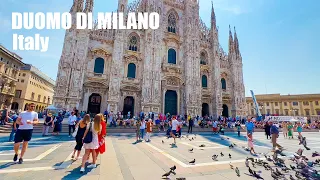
49	157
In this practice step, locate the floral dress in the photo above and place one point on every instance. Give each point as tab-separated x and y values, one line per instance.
95	141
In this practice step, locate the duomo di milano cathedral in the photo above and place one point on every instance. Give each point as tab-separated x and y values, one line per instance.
179	68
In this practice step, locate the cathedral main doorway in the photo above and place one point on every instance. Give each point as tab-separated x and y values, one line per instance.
94	103
225	110
128	105
205	109
171	102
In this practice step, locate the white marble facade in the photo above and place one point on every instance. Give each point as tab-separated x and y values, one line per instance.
182	30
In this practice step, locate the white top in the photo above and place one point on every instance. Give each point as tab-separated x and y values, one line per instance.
72	119
214	124
27	116
175	124
143	125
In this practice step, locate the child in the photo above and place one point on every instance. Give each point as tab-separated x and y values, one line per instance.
250	144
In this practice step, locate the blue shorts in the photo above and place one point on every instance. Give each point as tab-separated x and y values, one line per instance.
174	132
249	131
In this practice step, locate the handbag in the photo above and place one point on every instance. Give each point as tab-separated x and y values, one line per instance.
88	138
74	134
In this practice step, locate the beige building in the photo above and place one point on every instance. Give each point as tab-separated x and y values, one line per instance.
286	105
10	64
33	86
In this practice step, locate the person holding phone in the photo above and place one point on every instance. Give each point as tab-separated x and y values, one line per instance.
26	120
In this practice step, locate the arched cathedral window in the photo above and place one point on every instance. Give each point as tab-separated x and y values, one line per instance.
172	23
172	56
99	66
223	84
204	81
203	58
131	70
133	43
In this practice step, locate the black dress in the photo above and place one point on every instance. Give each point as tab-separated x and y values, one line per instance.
79	137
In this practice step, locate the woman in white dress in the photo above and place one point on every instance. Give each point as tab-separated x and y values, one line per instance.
94	144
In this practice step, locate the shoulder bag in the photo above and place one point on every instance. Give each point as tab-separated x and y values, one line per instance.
88	138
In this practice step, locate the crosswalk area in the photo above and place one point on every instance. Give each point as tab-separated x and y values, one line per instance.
43	154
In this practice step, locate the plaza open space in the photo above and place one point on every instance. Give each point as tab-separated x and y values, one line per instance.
50	157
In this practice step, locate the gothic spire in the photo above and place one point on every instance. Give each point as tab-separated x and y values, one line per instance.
89	6
213	17
236	43
230	41
77	6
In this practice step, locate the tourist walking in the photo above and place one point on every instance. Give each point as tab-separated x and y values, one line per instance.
290	130
91	142
72	122
101	137
191	122
47	124
4	115
274	136
215	127
81	128
250	126
238	126
26	120
57	124
142	128
299	129
267	130
149	130
174	125
138	123
15	126
284	129
250	144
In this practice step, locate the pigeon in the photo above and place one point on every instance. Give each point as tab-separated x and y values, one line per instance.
257	175
190	150
230	156
193	161
162	142
291	177
221	154
251	159
173	168
166	174
274	175
278	172
202	145
247	162
268	158
253	164
314	154
228	138
250	171
231	166
214	157
190	139
237	171
292	167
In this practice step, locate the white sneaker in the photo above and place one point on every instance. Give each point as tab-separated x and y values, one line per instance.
92	166
82	170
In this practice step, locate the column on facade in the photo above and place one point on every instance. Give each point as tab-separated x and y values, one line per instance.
312	110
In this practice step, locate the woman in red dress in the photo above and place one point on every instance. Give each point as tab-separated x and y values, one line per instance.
101	136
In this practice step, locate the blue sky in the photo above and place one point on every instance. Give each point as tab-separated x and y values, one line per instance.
279	39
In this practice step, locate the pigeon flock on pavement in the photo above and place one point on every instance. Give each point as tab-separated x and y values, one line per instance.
300	167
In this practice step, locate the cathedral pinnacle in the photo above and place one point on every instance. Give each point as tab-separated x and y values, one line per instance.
236	43
213	18
230	41
89	6
77	6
